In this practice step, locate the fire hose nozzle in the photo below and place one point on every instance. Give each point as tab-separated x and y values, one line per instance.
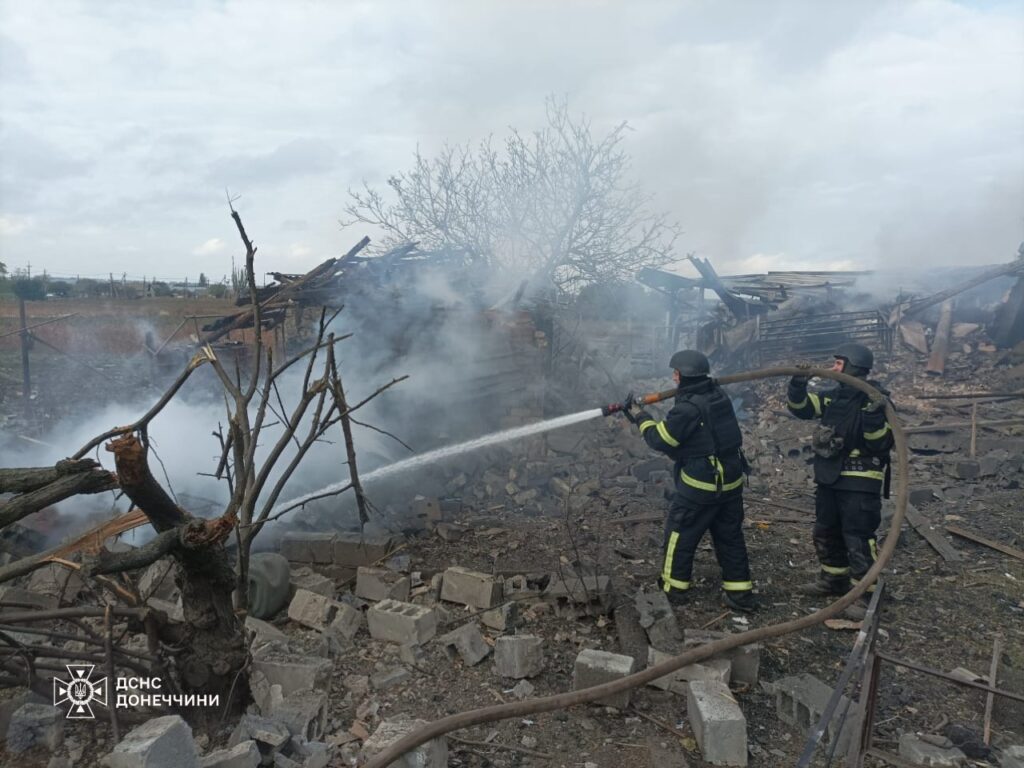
608	410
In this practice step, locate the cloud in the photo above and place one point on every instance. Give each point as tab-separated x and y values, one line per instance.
299	157
865	132
13	225
210	247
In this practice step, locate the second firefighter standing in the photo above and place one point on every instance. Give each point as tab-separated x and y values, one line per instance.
702	436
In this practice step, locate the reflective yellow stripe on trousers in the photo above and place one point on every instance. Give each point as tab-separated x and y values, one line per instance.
667	582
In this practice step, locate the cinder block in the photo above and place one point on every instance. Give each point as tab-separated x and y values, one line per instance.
311	610
381	584
310	580
355	549
800	701
472	588
918	751
746	660
718	723
347	621
585	590
717	670
308	547
292	672
519	656
162	741
243	755
401	623
433	754
595	667
467	642
303	713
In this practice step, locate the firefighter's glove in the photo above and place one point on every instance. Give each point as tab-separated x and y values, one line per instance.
801	381
641	416
873	406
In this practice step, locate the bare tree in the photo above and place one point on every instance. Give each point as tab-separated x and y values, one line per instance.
557	203
256	462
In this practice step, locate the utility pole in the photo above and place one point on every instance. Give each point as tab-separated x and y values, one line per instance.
26	378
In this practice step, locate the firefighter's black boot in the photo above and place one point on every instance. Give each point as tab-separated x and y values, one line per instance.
678	597
744	601
825	586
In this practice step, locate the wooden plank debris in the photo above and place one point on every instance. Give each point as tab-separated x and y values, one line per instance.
999	547
931	535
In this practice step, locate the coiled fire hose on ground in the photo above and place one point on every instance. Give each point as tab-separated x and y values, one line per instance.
564	700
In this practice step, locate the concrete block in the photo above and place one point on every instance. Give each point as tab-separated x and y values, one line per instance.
918	751
308	579
586	590
467	642
595	667
264	632
35	725
346	623
303	713
270	735
801	699
313	754
311	610
519	656
243	755
381	584
718	670
174	611
746	660
401	623
163	742
472	588
290	672
503	618
718	723
658	620
159	580
433	754
355	549
308	547
54	580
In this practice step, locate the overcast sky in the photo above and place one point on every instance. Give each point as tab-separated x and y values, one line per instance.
781	135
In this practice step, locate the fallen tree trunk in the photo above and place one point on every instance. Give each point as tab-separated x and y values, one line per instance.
64	485
24	479
212	662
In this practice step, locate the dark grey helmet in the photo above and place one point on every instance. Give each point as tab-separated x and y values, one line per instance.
856	354
690	362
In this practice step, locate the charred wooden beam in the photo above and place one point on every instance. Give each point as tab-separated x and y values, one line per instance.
940	344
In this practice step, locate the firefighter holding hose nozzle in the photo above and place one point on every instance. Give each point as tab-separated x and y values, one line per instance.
851	465
702	436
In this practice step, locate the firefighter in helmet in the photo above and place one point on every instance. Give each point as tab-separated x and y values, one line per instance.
701	434
851	464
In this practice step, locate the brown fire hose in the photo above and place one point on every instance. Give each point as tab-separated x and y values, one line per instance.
586	695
